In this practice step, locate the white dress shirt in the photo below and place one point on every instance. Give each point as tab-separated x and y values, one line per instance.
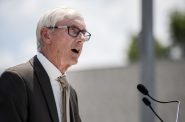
53	73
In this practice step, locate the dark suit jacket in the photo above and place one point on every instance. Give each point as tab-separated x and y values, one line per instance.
26	95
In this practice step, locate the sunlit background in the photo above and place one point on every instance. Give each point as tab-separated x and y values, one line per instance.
113	24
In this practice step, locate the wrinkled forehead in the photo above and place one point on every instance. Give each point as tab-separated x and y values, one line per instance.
75	21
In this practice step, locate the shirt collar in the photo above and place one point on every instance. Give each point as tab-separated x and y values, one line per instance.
51	70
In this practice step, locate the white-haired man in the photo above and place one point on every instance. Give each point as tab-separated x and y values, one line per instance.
33	91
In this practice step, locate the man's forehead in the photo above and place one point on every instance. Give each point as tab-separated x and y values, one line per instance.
77	21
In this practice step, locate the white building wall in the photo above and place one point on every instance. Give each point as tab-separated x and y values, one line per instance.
110	94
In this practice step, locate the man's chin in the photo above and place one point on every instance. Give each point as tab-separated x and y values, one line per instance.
75	62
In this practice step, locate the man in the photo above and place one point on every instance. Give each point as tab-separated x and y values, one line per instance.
32	91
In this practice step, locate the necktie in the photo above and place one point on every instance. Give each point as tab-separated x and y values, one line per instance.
64	84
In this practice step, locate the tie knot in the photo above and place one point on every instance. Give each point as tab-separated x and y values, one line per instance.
63	81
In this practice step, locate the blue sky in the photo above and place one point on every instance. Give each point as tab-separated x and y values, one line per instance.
111	23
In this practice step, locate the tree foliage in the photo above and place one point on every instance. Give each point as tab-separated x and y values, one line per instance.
133	52
177	28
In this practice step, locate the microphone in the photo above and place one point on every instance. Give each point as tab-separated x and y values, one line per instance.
148	103
144	91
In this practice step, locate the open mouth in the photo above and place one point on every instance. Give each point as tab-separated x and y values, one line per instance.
75	51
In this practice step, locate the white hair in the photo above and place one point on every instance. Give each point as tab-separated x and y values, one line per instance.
51	17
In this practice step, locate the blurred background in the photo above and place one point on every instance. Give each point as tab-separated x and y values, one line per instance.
112	62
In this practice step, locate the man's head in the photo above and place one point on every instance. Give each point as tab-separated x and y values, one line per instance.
61	33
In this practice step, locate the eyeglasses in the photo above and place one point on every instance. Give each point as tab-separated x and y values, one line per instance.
74	31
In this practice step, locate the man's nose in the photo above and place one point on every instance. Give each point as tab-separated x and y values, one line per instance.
81	36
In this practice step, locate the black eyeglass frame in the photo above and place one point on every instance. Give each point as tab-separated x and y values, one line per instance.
85	33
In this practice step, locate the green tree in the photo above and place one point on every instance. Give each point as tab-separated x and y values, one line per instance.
133	52
177	29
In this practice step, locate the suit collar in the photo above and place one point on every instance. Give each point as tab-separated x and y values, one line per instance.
50	68
45	84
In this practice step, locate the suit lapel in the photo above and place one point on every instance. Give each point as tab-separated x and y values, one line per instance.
45	84
74	112
71	104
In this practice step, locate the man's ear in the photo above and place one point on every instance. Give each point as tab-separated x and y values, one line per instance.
45	35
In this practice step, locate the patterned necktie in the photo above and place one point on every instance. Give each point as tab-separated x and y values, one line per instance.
64	84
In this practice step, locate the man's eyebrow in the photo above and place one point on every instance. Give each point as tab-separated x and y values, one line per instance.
78	27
